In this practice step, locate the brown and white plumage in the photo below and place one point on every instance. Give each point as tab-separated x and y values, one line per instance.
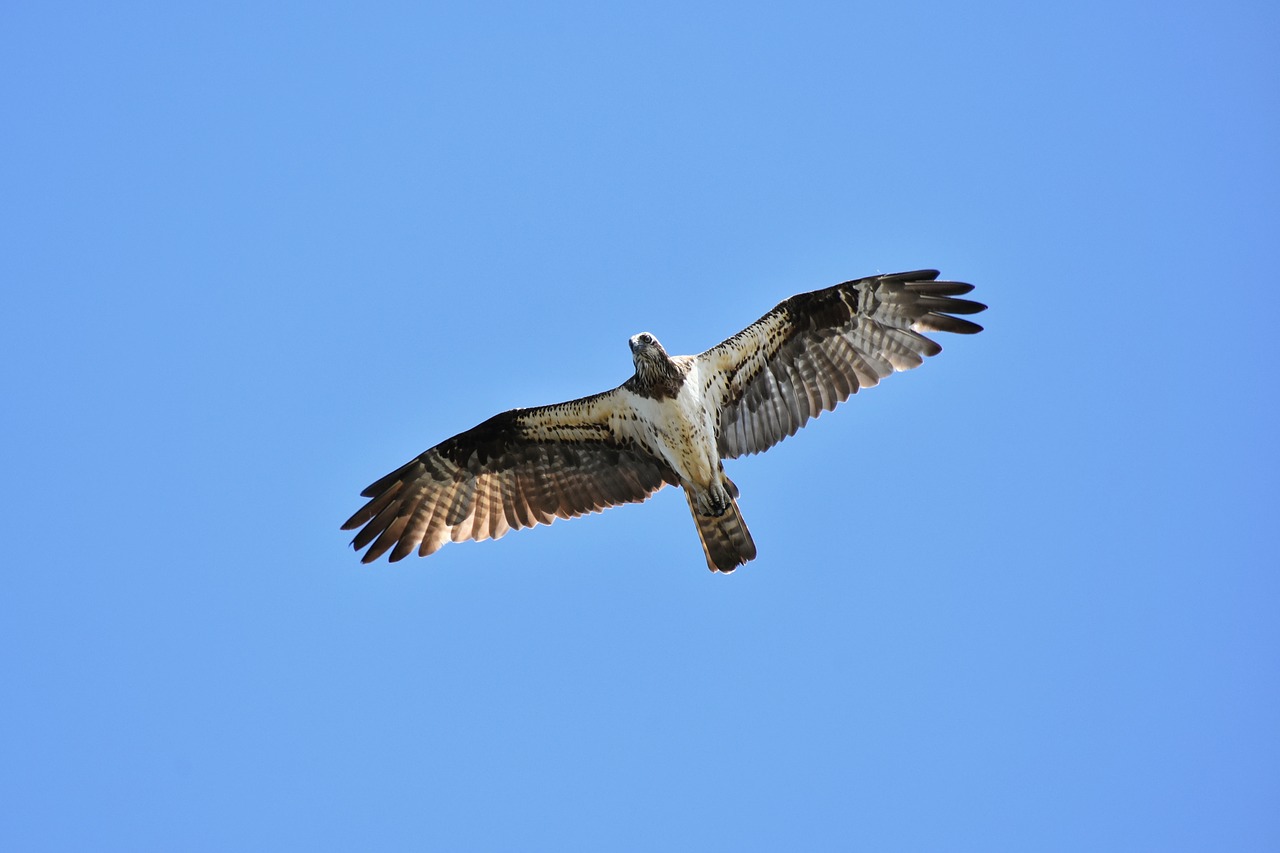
816	349
673	421
517	469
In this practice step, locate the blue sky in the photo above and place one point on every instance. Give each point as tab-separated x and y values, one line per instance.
255	256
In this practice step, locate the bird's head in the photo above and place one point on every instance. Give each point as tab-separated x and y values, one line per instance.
645	347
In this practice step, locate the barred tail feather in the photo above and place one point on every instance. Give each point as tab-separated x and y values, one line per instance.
726	542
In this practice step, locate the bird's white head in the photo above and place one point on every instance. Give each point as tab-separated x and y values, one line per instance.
645	346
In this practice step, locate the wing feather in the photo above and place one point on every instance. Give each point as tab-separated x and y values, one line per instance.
518	469
814	350
509	498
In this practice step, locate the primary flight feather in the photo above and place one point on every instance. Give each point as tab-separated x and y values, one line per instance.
673	422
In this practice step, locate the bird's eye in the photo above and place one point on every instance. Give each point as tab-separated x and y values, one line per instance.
646	339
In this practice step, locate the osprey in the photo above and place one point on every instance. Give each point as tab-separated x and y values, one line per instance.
674	422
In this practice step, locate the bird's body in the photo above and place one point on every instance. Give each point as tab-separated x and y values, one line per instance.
679	428
673	422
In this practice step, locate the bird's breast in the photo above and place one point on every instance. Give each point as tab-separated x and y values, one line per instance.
681	431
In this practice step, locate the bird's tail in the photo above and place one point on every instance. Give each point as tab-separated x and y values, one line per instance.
726	542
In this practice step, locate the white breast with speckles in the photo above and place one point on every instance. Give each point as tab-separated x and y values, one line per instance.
682	431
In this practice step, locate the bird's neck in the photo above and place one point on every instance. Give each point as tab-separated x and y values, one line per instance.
658	377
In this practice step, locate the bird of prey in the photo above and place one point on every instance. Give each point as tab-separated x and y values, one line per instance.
673	422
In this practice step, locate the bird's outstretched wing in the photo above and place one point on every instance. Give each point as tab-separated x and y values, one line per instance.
517	469
815	349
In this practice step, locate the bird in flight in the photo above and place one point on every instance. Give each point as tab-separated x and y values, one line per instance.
673	422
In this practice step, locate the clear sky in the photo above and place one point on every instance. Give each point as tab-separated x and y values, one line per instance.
254	256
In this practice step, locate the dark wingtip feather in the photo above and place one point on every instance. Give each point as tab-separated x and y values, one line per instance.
406	472
404	548
383	544
946	323
375	527
949	305
914	275
940	288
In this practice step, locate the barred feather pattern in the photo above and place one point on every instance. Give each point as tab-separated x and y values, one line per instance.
726	541
518	469
814	350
